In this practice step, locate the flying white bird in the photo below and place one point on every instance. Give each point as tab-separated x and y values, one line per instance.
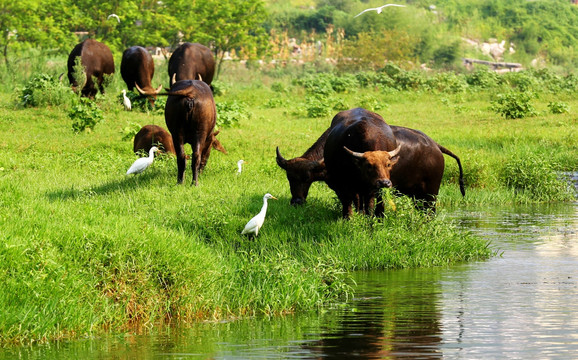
240	166
126	100
378	9
256	222
114	16
142	163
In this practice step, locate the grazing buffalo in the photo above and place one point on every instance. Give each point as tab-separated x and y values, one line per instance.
359	154
190	114
192	61
417	174
153	135
137	69
302	171
97	60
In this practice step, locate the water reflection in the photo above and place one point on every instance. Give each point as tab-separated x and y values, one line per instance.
396	316
523	304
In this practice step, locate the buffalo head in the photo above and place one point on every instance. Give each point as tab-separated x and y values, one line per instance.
149	92
375	166
301	173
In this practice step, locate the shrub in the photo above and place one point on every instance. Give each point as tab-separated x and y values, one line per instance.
483	78
521	81
130	130
447	82
535	176
85	115
317	106
514	105
278	87
371	103
231	113
43	90
558	107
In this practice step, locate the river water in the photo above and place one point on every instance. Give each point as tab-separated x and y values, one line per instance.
520	305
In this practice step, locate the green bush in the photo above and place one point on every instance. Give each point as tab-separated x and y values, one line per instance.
483	78
514	105
558	107
85	115
44	90
318	106
534	176
231	113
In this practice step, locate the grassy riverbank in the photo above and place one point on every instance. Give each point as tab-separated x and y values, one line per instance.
84	248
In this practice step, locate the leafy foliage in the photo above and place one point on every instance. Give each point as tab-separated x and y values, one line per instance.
42	90
231	113
514	105
85	115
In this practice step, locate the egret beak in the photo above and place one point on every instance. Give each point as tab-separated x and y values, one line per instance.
274	198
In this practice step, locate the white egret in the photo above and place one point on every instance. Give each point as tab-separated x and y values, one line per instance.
256	222
114	16
378	9
240	166
142	163
126	100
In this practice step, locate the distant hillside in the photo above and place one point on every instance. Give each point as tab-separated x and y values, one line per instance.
539	31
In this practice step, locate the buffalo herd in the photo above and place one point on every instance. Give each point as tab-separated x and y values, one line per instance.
357	156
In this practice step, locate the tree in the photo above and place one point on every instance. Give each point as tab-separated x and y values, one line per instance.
225	25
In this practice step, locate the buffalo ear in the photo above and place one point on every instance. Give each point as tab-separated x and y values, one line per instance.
281	161
218	146
319	170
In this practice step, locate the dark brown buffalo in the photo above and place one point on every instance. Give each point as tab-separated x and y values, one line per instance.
137	69
153	135
190	114
421	183
192	61
359	154
97	61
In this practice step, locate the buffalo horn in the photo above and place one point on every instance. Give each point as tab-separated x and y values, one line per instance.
394	152
174	79
353	153
200	77
158	90
140	90
281	160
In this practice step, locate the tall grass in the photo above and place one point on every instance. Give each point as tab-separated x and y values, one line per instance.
85	248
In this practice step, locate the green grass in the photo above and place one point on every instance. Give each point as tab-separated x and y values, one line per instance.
84	248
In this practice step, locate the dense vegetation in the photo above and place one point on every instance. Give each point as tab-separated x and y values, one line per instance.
541	31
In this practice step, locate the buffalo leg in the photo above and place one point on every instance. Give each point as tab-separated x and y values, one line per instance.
196	163
181	160
346	201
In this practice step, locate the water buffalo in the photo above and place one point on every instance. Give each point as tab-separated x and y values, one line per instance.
359	154
137	69
421	183
190	114
192	61
97	60
150	135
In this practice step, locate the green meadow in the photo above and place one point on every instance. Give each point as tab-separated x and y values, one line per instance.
86	249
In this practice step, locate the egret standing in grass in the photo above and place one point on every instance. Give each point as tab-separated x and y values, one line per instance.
141	164
378	9
240	166
126	100
256	222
